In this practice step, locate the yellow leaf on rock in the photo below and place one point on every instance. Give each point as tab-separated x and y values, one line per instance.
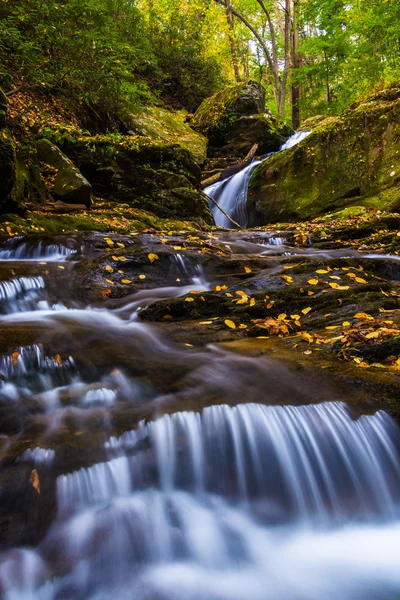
282	317
126	281
360	280
189	299
305	311
363	315
306	336
322	271
230	324
109	281
120	245
14	358
313	281
346	323
205	323
247	270
287	278
115	258
109	269
310	293
35	481
142	276
240	293
252	301
152	257
373	335
109	242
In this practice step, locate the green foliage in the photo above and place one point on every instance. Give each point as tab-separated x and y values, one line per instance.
348	50
104	53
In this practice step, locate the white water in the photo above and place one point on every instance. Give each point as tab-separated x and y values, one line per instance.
243	503
16	249
231	193
249	502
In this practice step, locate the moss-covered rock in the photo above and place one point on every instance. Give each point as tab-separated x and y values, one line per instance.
352	159
70	185
234	119
154	176
159	124
8	161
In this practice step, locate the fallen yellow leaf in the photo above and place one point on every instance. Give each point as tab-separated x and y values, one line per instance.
126	281
230	324
305	311
152	257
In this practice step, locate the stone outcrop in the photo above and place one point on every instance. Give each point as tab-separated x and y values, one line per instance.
162	178
235	118
161	125
349	160
70	185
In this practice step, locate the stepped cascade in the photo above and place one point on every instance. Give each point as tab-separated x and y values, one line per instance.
259	490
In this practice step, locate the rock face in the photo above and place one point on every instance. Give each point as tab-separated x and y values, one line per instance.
349	160
235	118
69	185
7	167
161	178
159	124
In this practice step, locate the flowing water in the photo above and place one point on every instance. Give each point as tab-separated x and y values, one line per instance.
231	193
169	472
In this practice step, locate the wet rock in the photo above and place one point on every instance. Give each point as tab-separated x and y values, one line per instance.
347	160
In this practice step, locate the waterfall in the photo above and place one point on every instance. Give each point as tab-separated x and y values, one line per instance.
246	502
17	249
231	193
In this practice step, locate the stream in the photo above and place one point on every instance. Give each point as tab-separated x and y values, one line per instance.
243	482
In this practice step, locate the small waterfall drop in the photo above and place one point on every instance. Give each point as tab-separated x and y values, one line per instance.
184	510
231	193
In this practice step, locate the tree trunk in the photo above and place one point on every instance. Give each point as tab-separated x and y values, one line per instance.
295	66
232	42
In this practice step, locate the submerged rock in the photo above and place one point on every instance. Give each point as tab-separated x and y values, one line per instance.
235	118
352	159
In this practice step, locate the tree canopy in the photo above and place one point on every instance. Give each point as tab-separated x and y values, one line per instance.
312	56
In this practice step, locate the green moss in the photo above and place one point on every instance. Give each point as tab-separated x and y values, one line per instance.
212	110
104	218
351	160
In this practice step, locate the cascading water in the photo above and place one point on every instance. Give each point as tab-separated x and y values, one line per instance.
230	494
231	193
227	503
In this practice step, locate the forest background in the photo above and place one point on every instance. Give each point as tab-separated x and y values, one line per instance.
312	56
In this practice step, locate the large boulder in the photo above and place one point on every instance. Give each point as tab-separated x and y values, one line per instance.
162	178
235	118
70	185
161	125
349	160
